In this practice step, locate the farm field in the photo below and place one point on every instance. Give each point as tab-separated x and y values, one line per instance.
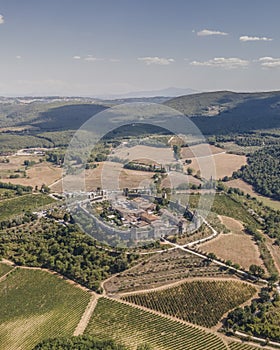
4	268
21	204
51	307
162	269
247	188
274	250
225	163
133	326
222	205
236	246
36	175
200	150
200	302
111	175
241	346
161	155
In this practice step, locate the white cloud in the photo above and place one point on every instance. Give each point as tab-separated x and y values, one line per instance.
91	58
222	62
207	32
18	57
2	19
114	60
156	60
76	57
269	62
245	38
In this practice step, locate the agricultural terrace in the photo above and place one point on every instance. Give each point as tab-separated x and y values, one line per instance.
132	326
51	307
200	302
163	269
21	204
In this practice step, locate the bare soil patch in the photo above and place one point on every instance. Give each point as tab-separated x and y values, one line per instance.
160	155
224	163
236	246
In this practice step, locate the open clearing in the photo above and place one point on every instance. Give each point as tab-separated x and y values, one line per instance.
236	246
244	186
51	307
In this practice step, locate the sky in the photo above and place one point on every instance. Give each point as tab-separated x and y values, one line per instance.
104	47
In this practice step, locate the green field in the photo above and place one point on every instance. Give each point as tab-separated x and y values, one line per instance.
36	305
4	269
132	326
200	302
19	205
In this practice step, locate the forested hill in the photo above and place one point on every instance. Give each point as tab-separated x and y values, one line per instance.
224	112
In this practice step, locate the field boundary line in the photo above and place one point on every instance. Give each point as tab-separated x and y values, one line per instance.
2	278
82	325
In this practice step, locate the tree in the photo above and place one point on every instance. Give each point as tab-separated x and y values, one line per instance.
256	270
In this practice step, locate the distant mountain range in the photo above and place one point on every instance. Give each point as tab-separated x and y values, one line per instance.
223	112
168	92
219	112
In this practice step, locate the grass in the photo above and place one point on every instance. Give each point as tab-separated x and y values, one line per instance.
21	204
222	205
200	302
133	326
36	305
4	269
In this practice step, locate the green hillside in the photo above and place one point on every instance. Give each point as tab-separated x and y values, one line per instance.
36	305
229	112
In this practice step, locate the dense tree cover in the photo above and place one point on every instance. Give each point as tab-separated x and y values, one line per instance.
85	342
18	188
144	167
260	319
263	171
55	156
62	248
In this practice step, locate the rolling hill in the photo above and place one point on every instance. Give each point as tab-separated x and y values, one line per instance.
224	112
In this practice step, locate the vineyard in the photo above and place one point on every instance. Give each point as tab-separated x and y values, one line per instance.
200	302
21	204
240	346
223	205
4	269
132	326
36	305
161	269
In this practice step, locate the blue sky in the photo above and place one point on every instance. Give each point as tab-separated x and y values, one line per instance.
99	47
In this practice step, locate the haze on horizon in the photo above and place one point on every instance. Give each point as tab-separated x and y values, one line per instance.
97	48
